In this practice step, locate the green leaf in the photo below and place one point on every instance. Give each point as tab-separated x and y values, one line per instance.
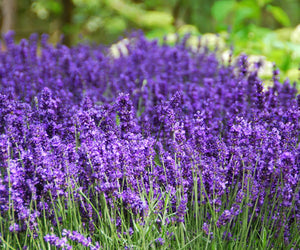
221	9
188	29
117	120
115	25
157	160
54	7
262	3
279	15
159	33
156	19
246	11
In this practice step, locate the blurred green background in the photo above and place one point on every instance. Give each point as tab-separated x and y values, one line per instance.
268	30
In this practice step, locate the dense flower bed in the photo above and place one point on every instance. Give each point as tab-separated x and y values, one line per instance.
156	120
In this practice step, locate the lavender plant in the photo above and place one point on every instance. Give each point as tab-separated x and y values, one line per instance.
163	146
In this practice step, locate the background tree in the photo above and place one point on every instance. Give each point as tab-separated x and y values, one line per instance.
67	15
257	27
8	11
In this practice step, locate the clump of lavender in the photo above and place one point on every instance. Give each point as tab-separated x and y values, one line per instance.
57	242
152	136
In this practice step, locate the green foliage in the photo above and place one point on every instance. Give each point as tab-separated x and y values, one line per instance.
43	8
240	14
221	10
110	17
256	27
249	230
279	15
247	19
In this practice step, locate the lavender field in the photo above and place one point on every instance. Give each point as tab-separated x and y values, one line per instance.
158	147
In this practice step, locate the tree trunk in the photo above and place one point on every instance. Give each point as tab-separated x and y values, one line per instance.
67	21
176	13
8	9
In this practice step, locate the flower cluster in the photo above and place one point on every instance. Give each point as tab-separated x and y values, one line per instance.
152	120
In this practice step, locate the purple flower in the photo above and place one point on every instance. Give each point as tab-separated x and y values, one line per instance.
205	228
75	236
67	124
14	228
56	241
224	218
160	241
